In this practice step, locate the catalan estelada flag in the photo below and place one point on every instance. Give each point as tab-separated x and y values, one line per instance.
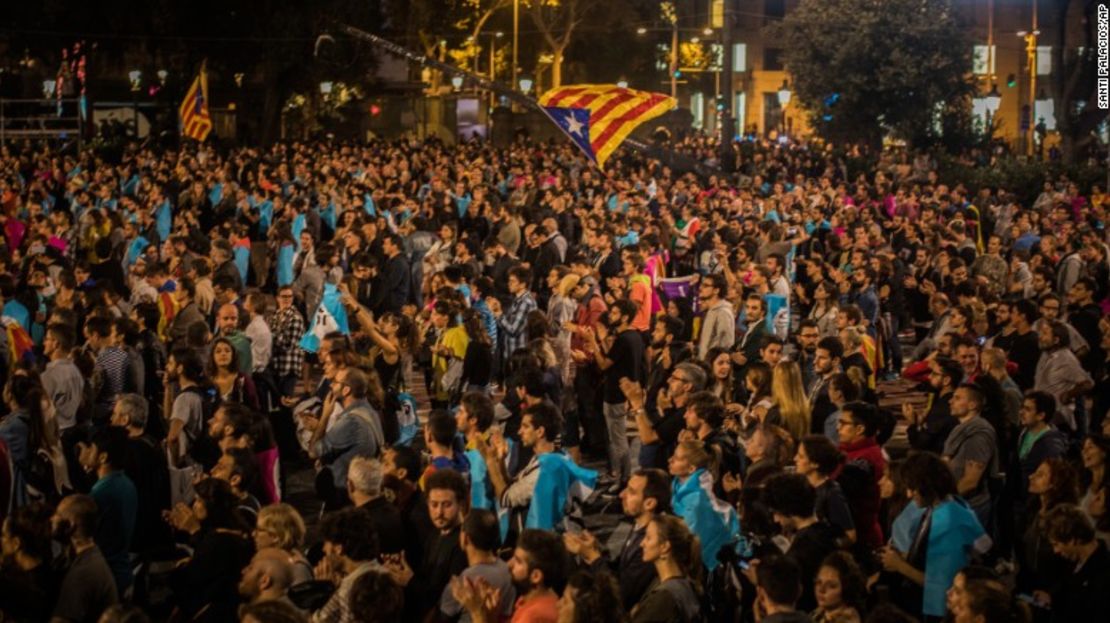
195	121
598	117
20	344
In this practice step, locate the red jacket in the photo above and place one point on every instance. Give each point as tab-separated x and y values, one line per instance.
865	506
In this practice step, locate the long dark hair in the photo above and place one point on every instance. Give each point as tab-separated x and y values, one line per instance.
475	328
213	370
219	505
685	547
25	393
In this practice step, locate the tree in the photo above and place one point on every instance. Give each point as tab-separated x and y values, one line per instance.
864	68
1073	79
557	20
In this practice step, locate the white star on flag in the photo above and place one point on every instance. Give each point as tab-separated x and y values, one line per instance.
574	126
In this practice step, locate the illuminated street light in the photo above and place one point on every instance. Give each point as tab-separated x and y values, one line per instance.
325	88
622	83
48	87
993	100
162	75
525	84
641	30
456	82
136	78
784	94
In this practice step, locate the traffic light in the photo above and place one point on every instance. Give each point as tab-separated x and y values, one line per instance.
1011	81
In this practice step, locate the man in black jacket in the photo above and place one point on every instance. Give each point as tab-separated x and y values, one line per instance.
647	494
364	488
397	277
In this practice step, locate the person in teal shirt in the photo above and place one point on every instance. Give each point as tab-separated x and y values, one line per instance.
942	536
117	501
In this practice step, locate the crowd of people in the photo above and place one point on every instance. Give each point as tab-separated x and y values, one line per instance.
513	387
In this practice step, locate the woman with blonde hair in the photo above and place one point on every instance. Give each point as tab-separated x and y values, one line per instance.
280	526
561	309
789	398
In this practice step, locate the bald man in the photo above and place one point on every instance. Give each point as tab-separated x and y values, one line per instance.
227	326
268	576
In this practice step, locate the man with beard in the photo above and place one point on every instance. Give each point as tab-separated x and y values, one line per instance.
88	587
826	364
1059	373
268	577
659	425
719	326
350	551
929	429
647	495
539	570
624	359
805	350
443	557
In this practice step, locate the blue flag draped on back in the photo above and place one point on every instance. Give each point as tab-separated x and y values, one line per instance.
285	265
778	314
560	481
130	186
368	205
136	248
955	532
242	251
329	316
216	194
163	220
265	215
713	521
328	215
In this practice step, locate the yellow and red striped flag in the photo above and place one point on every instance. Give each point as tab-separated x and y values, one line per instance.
195	121
598	117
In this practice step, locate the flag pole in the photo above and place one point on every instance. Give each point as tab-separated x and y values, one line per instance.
673	159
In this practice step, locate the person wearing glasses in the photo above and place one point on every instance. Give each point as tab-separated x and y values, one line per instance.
929	427
863	457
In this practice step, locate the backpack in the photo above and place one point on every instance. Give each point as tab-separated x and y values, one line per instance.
41	485
403	406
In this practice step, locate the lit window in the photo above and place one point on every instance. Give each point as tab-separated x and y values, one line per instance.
739	57
739	112
697	107
1045	109
1044	60
983	57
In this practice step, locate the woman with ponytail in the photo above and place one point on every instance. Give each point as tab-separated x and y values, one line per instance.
673	596
27	430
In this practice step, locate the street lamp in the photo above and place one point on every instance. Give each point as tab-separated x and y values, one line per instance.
136	78
708	32
622	83
641	30
325	88
48	87
993	100
525	84
456	82
784	94
162	75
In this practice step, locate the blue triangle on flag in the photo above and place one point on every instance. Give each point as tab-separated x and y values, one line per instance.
575	123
